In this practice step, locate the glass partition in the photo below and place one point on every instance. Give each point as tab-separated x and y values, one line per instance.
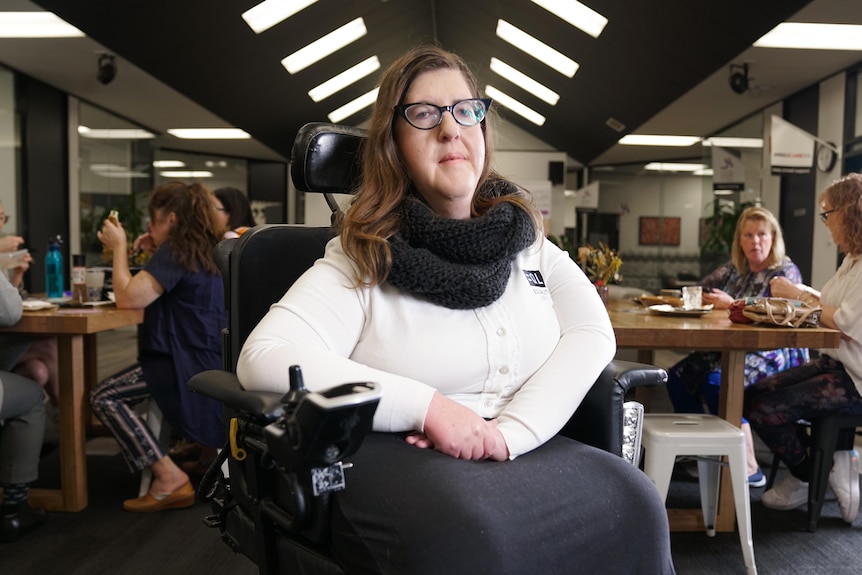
8	153
673	222
115	173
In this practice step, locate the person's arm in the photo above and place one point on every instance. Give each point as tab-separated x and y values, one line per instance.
547	400
11	306
130	292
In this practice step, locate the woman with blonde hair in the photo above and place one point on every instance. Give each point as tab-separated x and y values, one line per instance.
182	295
757	257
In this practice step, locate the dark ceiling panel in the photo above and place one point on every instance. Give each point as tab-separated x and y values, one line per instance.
650	53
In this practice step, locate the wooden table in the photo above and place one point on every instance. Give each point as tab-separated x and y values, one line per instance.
76	341
637	328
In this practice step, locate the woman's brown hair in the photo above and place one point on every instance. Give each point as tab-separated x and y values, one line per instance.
196	230
845	197
374	215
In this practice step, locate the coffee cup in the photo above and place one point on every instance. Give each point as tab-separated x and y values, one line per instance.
95	279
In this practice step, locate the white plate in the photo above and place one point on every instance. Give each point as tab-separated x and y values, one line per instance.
37	304
665	309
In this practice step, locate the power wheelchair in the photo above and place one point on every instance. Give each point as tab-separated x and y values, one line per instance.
286	454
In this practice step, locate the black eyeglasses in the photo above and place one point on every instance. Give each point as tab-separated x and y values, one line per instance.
825	215
424	116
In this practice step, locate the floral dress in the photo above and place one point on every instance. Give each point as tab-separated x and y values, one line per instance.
693	370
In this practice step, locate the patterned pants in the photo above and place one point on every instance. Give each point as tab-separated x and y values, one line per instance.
775	404
113	403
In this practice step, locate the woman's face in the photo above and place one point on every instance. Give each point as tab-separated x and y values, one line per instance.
756	242
445	162
832	222
160	226
223	215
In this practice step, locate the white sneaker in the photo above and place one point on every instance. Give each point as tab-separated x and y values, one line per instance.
844	481
789	494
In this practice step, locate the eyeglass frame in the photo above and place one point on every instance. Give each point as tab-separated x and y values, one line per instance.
4	219
402	111
825	215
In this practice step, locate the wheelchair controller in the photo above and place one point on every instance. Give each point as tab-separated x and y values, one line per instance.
318	430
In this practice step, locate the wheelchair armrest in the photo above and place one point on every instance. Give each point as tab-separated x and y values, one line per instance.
598	421
224	387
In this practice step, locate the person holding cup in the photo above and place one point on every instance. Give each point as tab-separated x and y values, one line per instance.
757	257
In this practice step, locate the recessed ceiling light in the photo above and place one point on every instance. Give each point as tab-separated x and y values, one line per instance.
733	142
520	79
270	12
537	49
168	164
813	36
353	106
344	79
674	167
325	45
576	14
35	25
647	140
509	102
114	134
186	174
722	192
209	133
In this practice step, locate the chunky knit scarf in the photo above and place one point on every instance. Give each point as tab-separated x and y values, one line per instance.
459	264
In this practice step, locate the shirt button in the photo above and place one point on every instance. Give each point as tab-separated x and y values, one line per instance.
501	331
504	370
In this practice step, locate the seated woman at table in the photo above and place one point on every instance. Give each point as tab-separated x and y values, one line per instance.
830	384
22	424
29	356
757	258
182	295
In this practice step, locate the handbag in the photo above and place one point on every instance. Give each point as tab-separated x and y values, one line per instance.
777	311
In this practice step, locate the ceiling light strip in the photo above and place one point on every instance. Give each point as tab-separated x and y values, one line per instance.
346	78
674	167
209	133
520	79
649	140
270	12
353	106
325	45
581	17
537	49
36	25
509	102
730	142
186	174
813	36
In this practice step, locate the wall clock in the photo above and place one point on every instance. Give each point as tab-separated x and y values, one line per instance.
826	157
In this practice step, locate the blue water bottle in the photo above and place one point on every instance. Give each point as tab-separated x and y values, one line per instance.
54	269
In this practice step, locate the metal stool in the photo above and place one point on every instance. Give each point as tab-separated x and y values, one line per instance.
667	435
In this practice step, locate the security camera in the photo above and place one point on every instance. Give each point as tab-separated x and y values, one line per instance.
739	79
107	69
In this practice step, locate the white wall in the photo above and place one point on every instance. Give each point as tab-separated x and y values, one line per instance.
830	127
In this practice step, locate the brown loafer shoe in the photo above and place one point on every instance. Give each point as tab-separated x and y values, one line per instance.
182	497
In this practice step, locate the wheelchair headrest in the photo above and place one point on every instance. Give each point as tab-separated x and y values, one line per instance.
325	158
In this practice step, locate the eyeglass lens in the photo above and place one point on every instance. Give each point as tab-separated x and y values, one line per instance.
426	116
825	215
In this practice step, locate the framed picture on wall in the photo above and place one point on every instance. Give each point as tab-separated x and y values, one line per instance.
658	231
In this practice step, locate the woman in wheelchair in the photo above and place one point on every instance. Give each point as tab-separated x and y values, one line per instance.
182	294
484	338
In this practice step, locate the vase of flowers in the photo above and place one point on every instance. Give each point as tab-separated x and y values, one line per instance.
601	264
